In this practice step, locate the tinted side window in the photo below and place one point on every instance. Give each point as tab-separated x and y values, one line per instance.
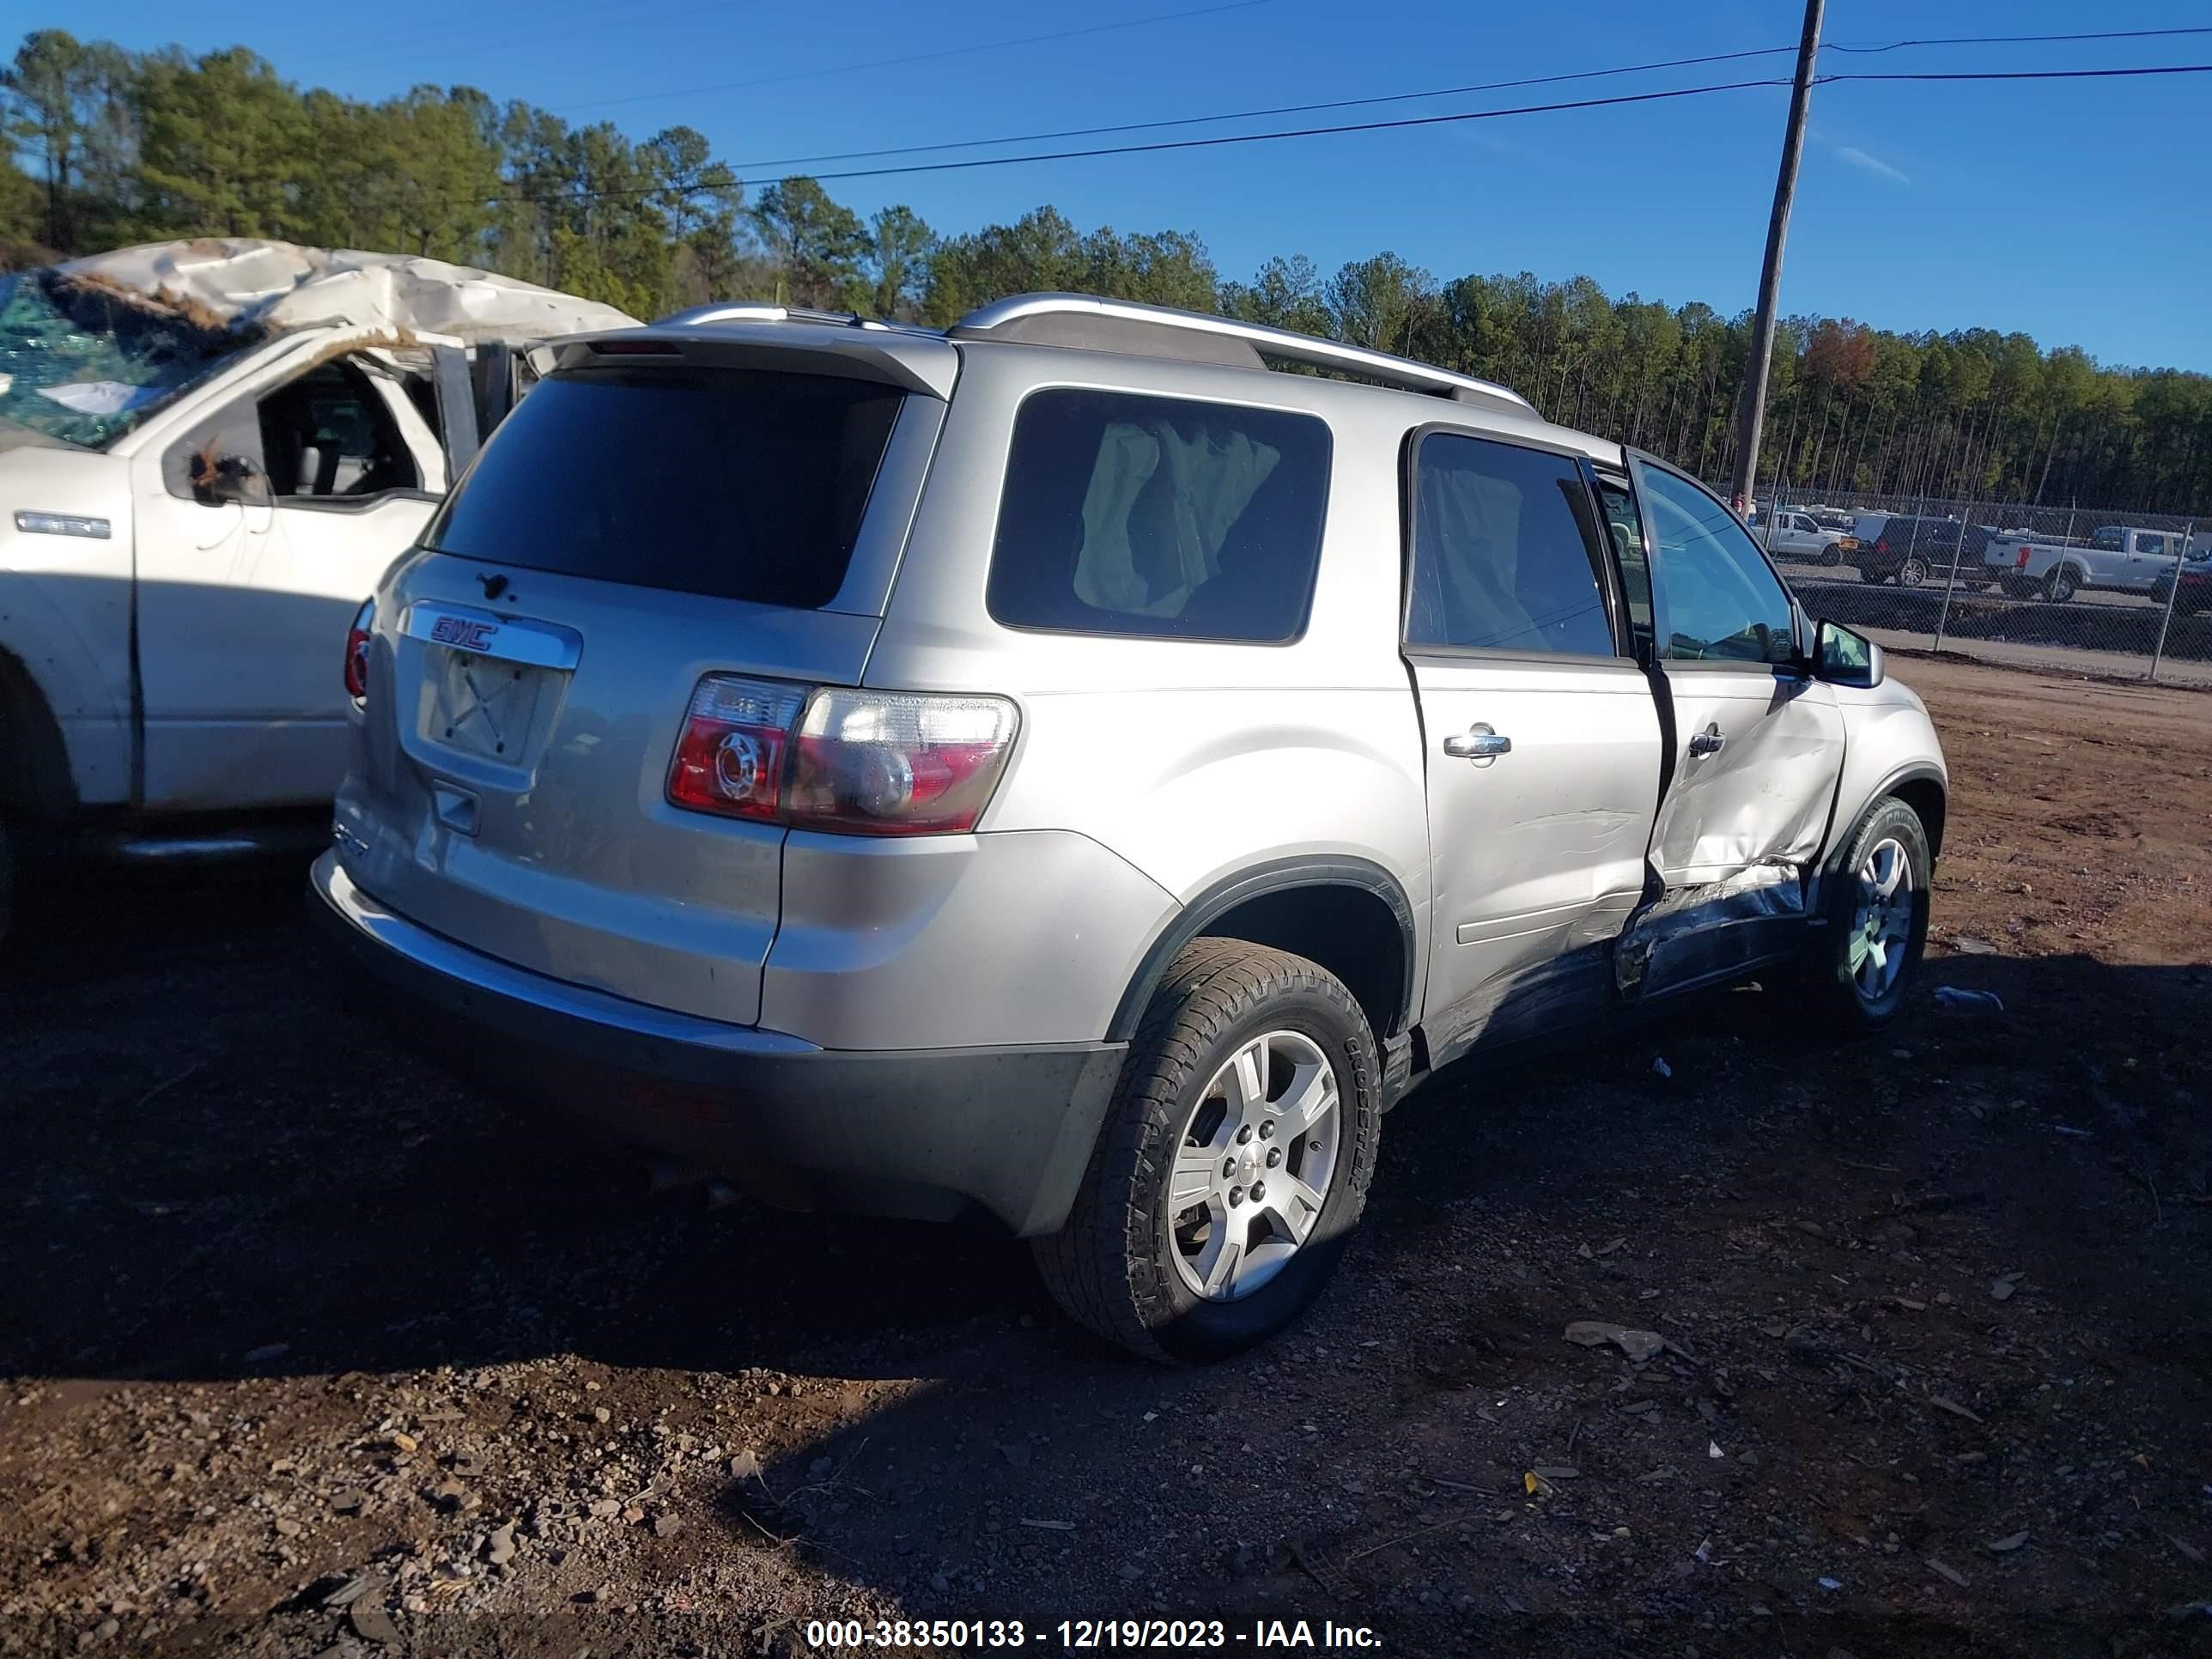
1721	600
1159	517
1502	554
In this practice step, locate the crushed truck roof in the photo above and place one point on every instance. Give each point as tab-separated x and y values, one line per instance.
246	284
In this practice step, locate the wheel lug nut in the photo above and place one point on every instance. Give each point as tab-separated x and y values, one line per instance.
1314	1145
1267	1130
1236	1195
1228	1167
1243	1134
1274	1156
1259	1191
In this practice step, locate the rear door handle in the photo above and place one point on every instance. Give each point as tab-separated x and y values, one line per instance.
1707	742
1479	743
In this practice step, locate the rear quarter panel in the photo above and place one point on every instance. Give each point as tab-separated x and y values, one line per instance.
1190	760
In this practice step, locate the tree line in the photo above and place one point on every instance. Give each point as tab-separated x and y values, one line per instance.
108	146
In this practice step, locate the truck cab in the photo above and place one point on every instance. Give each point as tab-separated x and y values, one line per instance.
209	453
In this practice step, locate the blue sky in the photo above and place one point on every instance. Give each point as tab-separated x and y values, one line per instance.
2080	213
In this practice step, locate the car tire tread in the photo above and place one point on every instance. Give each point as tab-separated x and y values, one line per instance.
1102	1267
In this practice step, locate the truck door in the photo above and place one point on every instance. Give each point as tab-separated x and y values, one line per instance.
1758	743
260	534
2150	556
1542	736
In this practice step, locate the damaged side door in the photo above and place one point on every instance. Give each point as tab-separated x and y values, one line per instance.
1543	738
1757	749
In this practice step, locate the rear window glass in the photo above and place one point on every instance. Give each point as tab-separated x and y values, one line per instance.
736	483
1159	518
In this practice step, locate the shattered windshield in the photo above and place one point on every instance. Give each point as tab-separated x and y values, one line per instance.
85	364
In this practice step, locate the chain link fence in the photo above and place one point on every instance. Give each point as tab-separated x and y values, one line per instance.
2097	591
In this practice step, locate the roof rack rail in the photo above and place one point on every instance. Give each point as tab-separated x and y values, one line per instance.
761	311
1086	321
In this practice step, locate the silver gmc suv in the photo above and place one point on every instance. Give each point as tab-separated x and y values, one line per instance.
1081	768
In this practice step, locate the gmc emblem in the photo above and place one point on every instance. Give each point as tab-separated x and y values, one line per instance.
464	635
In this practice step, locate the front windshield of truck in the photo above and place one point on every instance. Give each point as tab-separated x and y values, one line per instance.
85	364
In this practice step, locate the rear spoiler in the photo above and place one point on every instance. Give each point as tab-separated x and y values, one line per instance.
743	337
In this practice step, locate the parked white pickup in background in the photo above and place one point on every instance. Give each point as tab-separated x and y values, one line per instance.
2120	558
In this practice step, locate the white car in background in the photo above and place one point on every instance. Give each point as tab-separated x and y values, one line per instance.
1794	534
209	450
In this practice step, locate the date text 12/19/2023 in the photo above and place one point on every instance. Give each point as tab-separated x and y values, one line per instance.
1085	1635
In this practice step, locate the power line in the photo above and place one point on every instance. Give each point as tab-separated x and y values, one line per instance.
1255	114
1202	143
1475	115
919	57
2021	39
1397	123
2030	75
1409	97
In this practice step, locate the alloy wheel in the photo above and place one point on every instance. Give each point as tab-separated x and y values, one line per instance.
1254	1164
1881	925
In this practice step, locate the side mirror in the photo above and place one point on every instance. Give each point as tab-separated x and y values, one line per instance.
218	478
1842	657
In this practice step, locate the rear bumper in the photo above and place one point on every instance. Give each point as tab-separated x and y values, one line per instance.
921	1132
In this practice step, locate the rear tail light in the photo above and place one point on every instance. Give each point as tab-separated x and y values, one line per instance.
2022	561
1881	545
356	653
850	762
729	758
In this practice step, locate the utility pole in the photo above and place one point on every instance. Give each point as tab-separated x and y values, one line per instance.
1753	408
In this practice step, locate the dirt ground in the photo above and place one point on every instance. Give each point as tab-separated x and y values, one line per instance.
310	1352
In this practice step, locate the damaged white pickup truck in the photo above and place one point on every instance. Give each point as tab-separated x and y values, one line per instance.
209	450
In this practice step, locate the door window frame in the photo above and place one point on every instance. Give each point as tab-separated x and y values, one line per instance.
379	389
1643	653
240	416
1603	566
1797	669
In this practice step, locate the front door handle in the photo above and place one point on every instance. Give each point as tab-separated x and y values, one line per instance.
1479	743
1707	742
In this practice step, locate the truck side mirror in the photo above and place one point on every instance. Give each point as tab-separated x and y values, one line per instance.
1844	657
218	478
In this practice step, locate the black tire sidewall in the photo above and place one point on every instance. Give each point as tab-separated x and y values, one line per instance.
1891	820
1187	1326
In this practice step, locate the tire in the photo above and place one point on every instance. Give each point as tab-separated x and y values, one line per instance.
1126	1265
1832	554
1912	573
2061	585
1841	973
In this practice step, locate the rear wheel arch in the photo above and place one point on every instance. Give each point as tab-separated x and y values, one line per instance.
1345	914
